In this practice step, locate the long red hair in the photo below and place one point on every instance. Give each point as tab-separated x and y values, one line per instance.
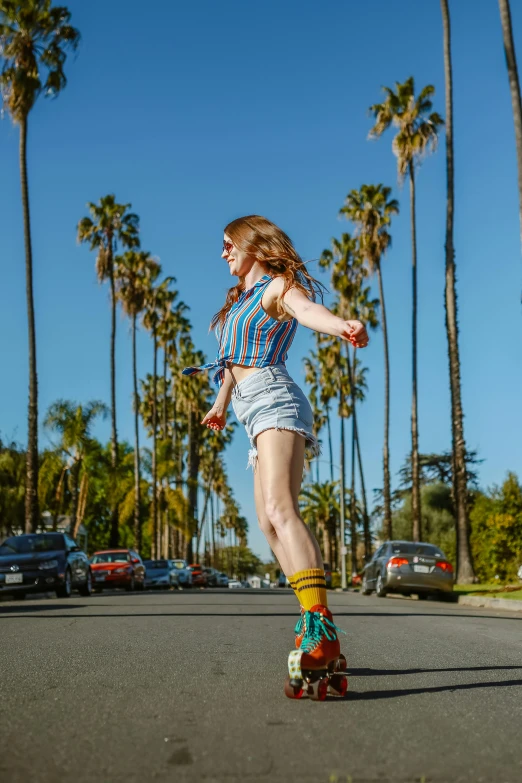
273	249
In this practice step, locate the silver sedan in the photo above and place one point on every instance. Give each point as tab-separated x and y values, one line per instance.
408	567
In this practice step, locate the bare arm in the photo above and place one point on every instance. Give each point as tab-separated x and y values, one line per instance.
217	415
320	319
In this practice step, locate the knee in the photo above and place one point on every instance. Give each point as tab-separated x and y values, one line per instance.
279	513
266	527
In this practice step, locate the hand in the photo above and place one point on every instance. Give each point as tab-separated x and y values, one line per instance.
216	418
356	333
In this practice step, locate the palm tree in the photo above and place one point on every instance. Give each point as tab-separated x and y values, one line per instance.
136	272
417	135
34	39
109	224
460	490
319	504
158	300
371	210
514	85
348	276
74	423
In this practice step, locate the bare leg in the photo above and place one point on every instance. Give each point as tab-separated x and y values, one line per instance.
267	528
280	468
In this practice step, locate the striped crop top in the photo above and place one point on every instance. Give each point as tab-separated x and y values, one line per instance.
249	336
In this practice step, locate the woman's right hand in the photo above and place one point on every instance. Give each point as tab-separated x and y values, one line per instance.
216	418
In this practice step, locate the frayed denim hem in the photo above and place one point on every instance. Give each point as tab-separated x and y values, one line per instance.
312	449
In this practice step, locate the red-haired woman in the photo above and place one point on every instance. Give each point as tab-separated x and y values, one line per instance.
256	326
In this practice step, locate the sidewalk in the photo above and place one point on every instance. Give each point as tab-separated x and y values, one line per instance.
509	604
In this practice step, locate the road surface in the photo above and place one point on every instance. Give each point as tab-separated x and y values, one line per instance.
188	686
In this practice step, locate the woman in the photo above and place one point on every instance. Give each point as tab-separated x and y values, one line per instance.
256	326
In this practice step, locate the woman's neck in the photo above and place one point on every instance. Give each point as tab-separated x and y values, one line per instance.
254	276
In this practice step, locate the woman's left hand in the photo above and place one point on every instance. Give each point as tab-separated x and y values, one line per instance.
356	333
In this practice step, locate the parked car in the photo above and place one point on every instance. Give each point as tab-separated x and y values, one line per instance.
234	584
222	580
42	562
117	568
328	575
212	577
199	577
408	567
160	573
282	580
183	571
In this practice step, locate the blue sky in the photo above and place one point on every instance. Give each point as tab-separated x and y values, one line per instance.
199	113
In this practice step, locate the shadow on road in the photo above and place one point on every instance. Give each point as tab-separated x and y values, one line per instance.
5	611
391	694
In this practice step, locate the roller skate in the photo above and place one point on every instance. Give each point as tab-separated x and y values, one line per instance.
317	667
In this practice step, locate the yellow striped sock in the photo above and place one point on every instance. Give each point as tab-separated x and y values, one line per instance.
309	587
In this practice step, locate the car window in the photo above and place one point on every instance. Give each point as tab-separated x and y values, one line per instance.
71	543
379	552
29	544
110	557
412	548
179	564
156	564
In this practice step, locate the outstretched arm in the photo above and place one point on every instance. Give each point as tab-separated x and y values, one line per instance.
320	319
217	415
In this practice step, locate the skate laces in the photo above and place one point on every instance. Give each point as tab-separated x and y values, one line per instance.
317	626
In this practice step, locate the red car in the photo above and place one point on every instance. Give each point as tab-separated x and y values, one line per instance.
199	577
117	568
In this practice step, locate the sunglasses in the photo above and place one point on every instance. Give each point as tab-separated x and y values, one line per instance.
227	247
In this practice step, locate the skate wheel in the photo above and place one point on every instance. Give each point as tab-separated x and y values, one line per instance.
294	689
318	690
340	664
338	685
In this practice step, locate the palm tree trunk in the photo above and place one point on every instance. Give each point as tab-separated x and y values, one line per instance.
514	84
137	476
342	496
75	483
208	490
388	530
213	529
32	513
366	518
330	450
353	527
164	423
465	572
154	510
415	489
193	471
114	537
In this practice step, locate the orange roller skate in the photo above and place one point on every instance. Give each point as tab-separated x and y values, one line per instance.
317	666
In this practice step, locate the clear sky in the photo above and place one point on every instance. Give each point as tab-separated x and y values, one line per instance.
197	113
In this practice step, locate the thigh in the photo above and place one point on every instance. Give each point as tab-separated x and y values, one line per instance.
280	456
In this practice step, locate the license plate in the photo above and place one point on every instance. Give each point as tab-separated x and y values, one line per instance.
420	569
100	577
14	579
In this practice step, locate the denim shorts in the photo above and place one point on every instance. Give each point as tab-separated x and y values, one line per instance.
270	400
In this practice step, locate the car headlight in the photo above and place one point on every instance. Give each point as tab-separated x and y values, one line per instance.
48	564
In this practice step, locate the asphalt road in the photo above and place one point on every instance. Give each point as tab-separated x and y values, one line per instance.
188	686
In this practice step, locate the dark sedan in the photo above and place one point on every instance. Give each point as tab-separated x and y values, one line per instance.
43	562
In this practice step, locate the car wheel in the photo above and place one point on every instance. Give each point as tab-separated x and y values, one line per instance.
132	586
364	587
380	588
86	589
66	589
422	596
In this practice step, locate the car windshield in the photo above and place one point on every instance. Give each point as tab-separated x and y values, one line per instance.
27	545
110	557
410	548
159	564
179	564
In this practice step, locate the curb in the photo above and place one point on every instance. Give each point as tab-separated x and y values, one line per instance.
490	603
